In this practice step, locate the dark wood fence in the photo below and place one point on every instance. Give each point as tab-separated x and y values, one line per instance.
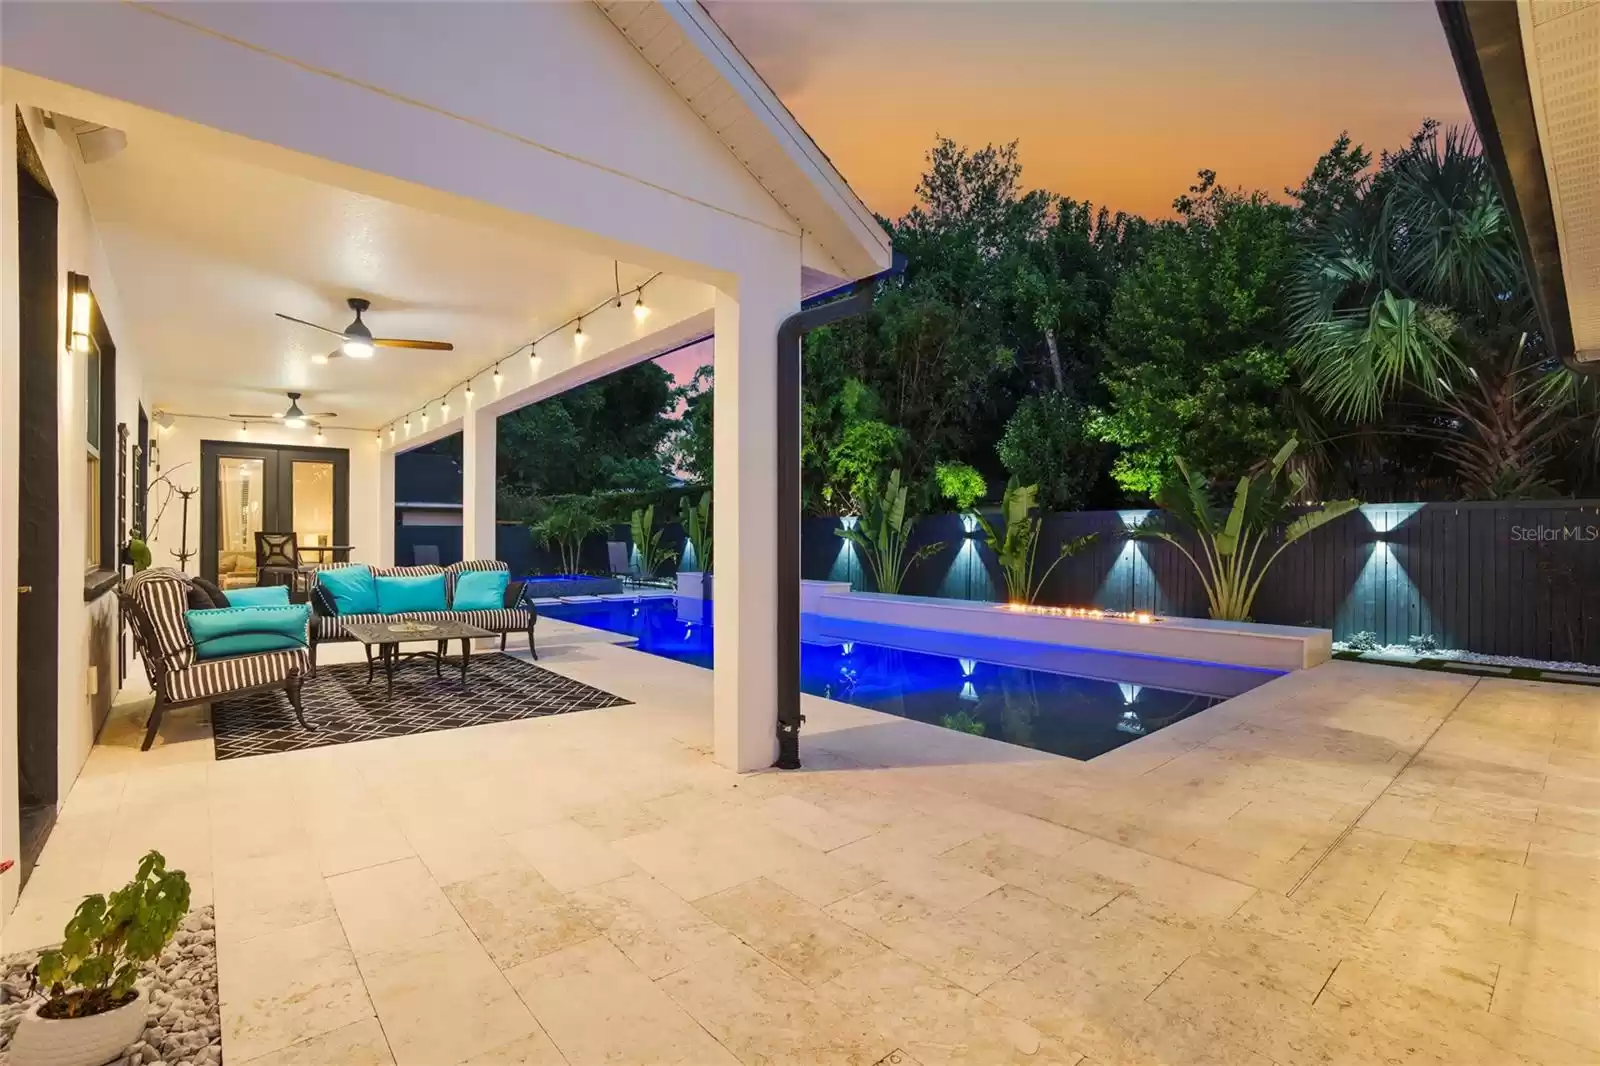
1500	578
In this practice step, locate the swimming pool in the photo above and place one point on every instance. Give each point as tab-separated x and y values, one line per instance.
1067	701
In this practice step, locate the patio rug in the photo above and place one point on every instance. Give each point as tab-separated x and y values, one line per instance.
345	709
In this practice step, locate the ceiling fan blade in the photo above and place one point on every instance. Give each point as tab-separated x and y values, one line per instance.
313	325
254	418
323	414
427	346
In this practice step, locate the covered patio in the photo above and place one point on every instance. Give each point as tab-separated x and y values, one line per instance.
1349	864
221	228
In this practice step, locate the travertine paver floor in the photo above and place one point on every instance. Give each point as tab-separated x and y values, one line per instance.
1352	864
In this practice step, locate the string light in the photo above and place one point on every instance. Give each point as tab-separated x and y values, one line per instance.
244	430
580	340
391	432
444	410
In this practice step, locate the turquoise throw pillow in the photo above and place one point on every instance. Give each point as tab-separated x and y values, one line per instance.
224	631
352	589
263	596
480	590
397	595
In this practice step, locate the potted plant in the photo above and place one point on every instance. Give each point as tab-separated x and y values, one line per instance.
91	1009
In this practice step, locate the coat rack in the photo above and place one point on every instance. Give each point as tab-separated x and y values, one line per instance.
183	554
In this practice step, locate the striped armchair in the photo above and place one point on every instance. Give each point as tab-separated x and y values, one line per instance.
155	600
516	616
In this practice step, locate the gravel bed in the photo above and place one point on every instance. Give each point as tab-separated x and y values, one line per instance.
1406	652
185	1027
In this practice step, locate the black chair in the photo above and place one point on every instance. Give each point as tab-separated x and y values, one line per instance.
278	559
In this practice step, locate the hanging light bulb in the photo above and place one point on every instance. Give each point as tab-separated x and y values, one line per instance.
467	395
244	430
579	337
318	437
640	311
391	433
408	425
533	359
444	410
498	380
424	419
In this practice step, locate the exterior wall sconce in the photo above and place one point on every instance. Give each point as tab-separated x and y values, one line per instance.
80	312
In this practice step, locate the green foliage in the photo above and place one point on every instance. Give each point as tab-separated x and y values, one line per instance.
1363	640
1016	545
960	484
1413	317
964	722
696	521
1195	349
882	533
1046	444
109	938
611	433
647	542
565	524
692	438
1230	544
137	551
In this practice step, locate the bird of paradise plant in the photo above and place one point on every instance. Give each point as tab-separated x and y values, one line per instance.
882	532
1230	563
1016	546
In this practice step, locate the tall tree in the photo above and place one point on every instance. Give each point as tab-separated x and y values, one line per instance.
1196	358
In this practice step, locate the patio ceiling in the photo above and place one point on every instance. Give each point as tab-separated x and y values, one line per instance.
204	248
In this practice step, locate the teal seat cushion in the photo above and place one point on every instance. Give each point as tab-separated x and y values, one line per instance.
225	631
264	596
480	590
420	592
352	588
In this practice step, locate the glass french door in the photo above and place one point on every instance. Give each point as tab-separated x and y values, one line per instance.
248	489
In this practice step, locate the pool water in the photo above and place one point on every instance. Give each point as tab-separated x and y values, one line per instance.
1084	704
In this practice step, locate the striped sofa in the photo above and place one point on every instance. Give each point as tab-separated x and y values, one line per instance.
517	616
154	601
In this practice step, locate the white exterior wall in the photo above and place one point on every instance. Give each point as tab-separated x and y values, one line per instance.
87	631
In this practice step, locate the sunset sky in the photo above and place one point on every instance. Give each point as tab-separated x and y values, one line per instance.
1117	103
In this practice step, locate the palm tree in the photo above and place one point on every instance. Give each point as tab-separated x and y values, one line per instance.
1412	300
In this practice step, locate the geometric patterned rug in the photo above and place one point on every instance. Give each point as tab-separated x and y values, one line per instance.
345	709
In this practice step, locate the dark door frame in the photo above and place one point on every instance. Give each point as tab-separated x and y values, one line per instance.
278	473
39	513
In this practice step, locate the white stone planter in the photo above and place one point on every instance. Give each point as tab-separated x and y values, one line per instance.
695	584
91	1041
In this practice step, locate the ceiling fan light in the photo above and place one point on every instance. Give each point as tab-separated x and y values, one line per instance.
357	348
294	422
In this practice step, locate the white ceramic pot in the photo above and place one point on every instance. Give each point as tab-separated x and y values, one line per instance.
91	1041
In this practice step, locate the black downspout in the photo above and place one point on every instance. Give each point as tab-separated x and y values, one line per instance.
853	300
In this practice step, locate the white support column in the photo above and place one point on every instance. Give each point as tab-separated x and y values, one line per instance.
746	449
383	555
477	484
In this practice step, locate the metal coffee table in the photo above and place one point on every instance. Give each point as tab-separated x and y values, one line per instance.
387	637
